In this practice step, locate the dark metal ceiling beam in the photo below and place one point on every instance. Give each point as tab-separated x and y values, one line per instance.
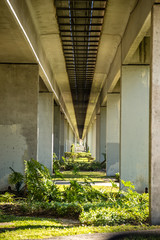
84	17
79	9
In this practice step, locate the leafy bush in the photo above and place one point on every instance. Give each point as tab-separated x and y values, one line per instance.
7	197
127	207
72	155
81	193
57	164
83	155
56	209
39	183
83	166
16	178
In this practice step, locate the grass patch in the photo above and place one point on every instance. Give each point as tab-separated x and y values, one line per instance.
97	176
99	188
39	228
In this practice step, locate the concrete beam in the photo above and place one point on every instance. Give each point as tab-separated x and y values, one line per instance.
137	27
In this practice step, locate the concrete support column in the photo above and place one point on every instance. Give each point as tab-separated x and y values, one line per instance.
94	139
45	126
70	138
102	133
62	141
135	125
65	135
89	134
86	143
18	117
68	142
155	118
57	119
97	136
112	134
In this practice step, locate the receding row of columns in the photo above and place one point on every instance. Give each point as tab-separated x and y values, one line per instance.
123	129
130	130
31	123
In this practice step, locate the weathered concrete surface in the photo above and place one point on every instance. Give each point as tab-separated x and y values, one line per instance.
18	118
102	134
155	119
45	130
112	134
57	119
135	126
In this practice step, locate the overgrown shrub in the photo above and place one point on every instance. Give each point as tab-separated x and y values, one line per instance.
39	183
83	166
57	165
72	155
127	207
81	193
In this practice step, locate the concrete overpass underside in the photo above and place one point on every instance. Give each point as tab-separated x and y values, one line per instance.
72	69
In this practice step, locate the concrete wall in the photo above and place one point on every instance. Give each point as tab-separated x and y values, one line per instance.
45	127
102	133
18	117
112	134
135	125
57	118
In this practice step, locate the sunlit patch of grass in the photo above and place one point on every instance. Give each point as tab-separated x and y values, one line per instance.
80	176
100	188
39	228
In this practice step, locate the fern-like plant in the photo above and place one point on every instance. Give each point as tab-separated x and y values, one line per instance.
16	178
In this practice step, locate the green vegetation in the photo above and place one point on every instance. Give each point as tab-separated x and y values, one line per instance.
7	197
101	208
16	178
